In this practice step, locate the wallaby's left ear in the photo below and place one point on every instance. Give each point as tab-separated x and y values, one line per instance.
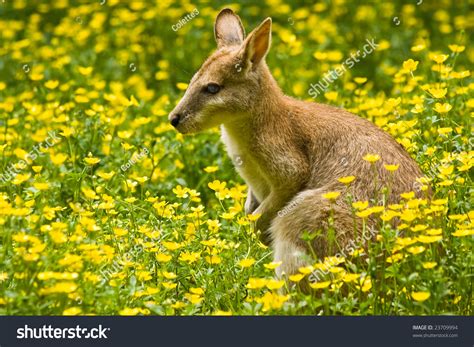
257	44
228	29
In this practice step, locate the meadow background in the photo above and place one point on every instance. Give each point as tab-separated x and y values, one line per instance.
120	214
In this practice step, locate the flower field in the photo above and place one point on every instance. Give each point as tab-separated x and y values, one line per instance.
106	210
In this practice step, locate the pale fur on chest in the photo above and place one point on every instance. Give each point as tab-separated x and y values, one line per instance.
244	160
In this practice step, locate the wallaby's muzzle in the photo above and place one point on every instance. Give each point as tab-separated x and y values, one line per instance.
174	119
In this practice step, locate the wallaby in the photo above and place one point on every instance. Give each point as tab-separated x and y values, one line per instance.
289	152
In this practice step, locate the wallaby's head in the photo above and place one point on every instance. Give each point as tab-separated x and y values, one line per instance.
230	81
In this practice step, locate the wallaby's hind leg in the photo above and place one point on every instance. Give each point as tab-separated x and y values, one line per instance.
309	211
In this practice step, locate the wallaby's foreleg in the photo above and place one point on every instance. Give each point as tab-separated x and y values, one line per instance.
268	210
251	203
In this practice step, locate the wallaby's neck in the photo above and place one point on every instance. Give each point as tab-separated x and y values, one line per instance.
269	94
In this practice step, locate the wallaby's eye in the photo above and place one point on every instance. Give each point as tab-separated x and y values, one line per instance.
212	88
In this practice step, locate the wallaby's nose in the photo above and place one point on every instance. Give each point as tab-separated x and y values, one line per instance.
175	119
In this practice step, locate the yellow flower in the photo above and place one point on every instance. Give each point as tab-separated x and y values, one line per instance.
439	58
182	86
419	108
442	108
410	65
429	265
189	257
418	48
228	215
248	262
274	284
256	283
391	167
371	158
214	259
177	305
3	276
429	239
129	311
181	192
90	160
416	249
331	96
420	296
331	195
193	299
346	179
85	71
306	270
366	284
272	301
72	311
20	178
60	287
120	232
196	291
211	169
217	185
456	48
133	101
169	275
349	277
394	258
360	205
320	285
51	84
360	80
171	245
58	236
408	195
253	217
438	93
462	233
296	278
163	258
41	185
272	265
106	175
58	159
67	132
444	131
169	285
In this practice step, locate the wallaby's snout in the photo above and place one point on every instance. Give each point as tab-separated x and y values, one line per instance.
174	119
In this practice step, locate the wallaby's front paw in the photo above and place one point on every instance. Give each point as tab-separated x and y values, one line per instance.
250	207
251	204
263	226
265	238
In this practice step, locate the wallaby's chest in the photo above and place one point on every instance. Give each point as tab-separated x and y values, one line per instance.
247	163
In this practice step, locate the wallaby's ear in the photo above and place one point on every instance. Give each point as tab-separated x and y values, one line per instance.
228	29
257	44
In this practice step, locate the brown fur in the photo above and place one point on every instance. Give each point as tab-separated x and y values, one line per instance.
291	151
